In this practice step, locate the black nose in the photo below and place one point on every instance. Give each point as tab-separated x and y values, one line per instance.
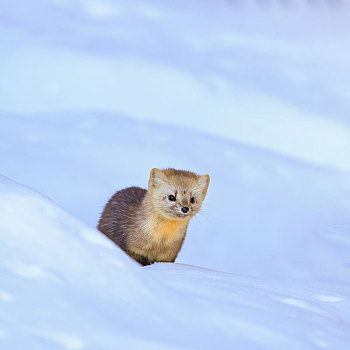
184	209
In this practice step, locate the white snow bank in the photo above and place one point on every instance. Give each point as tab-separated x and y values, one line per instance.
264	215
64	286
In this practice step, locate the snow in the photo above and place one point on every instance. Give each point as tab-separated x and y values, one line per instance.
62	290
71	288
94	94
264	215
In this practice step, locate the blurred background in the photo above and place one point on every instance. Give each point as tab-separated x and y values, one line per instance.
269	73
95	93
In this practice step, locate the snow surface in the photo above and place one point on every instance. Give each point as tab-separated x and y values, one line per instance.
264	215
65	286
173	80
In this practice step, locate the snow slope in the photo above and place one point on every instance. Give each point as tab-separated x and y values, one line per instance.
265	215
266	77
65	286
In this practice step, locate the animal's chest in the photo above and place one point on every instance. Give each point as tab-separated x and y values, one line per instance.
165	234
162	239
167	240
168	231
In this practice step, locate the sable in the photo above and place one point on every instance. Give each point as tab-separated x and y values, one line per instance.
150	225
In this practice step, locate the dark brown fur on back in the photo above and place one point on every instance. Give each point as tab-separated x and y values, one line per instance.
119	214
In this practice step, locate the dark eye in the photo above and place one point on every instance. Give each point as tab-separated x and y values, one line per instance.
192	200
172	198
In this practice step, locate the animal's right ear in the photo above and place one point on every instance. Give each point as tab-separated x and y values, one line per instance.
156	178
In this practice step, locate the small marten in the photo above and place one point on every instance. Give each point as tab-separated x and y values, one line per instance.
150	226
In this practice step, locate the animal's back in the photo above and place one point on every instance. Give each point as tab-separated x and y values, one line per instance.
119	214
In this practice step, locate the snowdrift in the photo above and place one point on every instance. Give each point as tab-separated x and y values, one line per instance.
279	225
65	286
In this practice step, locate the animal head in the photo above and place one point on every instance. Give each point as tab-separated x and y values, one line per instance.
177	194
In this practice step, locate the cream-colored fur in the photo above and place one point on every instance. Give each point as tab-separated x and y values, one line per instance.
162	225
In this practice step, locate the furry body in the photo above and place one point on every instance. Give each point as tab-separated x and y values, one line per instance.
148	225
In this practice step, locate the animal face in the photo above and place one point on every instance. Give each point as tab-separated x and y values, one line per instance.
177	194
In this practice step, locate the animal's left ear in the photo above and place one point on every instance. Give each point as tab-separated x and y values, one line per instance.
203	183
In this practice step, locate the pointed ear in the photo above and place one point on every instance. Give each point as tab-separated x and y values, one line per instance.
156	177
203	183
